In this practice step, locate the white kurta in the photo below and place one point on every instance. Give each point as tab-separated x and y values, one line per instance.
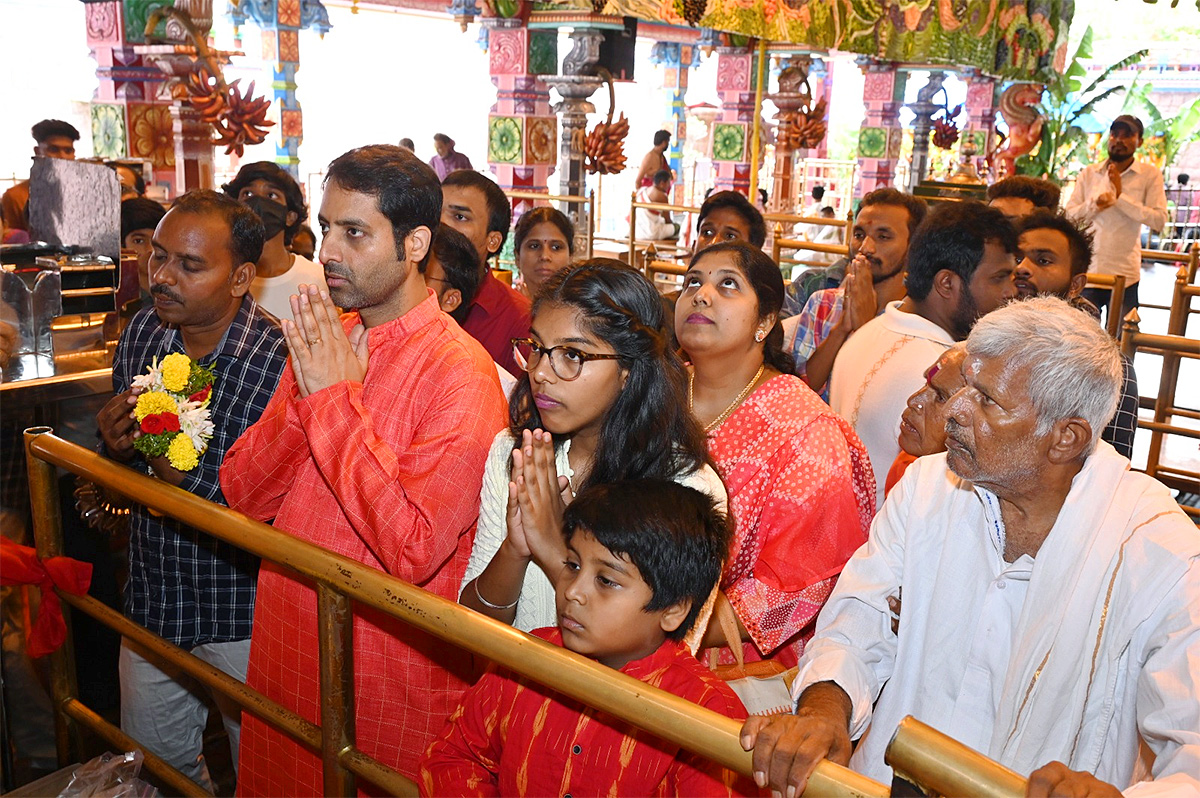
535	605
1074	656
1118	228
876	370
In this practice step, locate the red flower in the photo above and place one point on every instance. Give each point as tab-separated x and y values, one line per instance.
201	395
158	423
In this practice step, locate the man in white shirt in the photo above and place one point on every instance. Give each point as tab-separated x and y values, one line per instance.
275	196
960	266
1051	595
1117	196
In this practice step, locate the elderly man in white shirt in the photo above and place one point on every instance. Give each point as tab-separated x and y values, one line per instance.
1051	595
1117	196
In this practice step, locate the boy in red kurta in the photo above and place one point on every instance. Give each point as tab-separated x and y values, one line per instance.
642	558
373	447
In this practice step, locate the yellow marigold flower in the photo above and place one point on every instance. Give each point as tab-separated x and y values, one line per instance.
154	402
176	369
182	454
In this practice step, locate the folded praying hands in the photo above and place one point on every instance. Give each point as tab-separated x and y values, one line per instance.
537	498
322	353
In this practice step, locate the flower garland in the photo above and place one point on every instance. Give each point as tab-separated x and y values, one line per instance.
172	410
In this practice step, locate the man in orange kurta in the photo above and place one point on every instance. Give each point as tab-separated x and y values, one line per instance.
373	447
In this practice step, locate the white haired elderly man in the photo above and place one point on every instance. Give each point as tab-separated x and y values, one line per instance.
1051	614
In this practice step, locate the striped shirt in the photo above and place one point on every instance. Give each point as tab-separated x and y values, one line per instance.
184	585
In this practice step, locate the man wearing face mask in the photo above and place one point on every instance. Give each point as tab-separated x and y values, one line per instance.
275	196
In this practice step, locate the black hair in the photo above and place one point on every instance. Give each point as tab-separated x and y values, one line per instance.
442	138
498	206
661	137
49	128
829	210
673	534
818	193
663	175
408	144
139	213
648	431
304	228
1079	241
278	177
406	189
764	276
139	181
246	232
532	218
952	237
1042	193
459	260
916	207
736	202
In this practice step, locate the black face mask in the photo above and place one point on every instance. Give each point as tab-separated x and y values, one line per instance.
273	215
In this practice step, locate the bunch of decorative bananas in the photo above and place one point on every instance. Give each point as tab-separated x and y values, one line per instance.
802	129
238	117
604	149
945	132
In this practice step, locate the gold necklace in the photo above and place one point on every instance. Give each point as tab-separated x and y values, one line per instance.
727	412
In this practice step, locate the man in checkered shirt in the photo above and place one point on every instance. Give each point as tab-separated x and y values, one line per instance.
195	591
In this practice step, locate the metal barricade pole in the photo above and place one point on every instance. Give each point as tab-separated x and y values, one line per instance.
335	630
47	535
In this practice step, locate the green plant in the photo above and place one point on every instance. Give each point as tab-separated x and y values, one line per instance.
1063	147
1164	137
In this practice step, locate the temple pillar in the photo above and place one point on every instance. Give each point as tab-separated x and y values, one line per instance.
522	128
129	119
981	114
575	85
791	99
733	128
676	59
281	24
923	110
820	80
881	133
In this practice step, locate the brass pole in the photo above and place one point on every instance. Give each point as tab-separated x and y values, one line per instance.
47	536
756	137
211	677
633	205
335	630
382	776
593	202
662	714
1129	334
943	766
123	742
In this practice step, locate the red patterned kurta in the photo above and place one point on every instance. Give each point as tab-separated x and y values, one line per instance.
386	472
803	495
514	737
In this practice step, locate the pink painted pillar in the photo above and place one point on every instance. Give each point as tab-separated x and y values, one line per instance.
129	117
981	114
734	127
522	129
881	133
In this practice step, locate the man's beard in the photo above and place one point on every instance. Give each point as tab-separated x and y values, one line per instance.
964	316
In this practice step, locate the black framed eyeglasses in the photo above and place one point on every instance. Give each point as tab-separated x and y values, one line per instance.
565	361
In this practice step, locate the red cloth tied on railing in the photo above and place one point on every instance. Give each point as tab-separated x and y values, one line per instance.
19	565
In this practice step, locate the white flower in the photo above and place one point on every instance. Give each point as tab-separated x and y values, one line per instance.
151	380
196	423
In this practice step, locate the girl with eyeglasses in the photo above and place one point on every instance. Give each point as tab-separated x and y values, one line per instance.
605	400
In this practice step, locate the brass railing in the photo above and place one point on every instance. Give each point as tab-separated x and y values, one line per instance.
570	199
943	766
340	580
1115	283
1172	348
781	244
